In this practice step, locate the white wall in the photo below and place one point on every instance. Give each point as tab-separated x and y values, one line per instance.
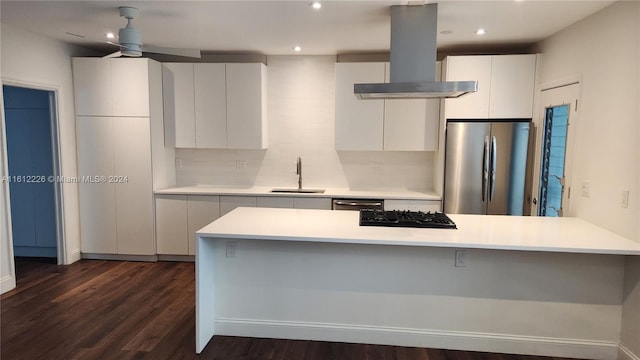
301	123
32	60
604	50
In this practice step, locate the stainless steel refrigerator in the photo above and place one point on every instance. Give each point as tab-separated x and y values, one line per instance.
485	167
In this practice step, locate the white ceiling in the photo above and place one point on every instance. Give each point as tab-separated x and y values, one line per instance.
274	27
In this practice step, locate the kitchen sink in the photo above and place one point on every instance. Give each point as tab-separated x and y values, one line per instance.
299	191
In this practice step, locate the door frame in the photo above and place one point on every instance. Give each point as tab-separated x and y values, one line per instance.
54	117
538	120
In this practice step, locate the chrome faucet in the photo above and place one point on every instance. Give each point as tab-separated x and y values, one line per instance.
299	172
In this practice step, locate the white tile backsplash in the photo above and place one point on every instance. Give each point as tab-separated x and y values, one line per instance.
301	123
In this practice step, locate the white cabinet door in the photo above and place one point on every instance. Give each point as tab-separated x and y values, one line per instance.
116	210
469	68
411	124
97	200
92	86
201	210
228	203
210	106
130	87
246	106
134	195
312	203
275	202
413	205
111	87
171	225
178	99
358	123
512	86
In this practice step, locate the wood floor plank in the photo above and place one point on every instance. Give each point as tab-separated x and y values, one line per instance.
99	310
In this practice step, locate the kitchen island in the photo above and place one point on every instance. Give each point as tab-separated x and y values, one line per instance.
526	285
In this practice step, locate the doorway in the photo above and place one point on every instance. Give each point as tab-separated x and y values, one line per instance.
554	156
30	126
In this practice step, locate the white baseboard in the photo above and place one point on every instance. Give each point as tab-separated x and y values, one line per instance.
455	340
74	256
7	283
626	354
179	258
147	258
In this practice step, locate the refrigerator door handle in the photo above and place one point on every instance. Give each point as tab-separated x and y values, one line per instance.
485	168
494	160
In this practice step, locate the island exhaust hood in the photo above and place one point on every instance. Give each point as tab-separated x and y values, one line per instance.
412	75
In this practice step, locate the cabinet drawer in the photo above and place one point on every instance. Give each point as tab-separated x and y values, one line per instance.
413	205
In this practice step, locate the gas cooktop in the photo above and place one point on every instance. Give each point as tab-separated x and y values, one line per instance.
398	218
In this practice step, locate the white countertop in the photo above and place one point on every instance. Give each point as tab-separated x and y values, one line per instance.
568	235
329	192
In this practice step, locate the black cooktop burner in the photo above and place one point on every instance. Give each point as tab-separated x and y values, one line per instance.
398	218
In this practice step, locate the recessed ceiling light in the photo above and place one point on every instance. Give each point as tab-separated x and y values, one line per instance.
110	35
316	5
297	48
480	32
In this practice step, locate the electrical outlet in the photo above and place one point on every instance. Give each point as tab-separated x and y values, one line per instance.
586	189
178	163
231	249
378	168
241	166
624	201
461	258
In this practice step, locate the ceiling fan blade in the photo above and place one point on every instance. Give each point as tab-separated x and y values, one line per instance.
113	55
93	39
194	53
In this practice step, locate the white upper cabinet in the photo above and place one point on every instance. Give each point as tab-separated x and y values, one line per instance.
505	86
411	124
359	123
512	86
210	105
215	106
178	101
246	106
111	87
377	124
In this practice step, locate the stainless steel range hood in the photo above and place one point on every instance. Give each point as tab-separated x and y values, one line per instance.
413	59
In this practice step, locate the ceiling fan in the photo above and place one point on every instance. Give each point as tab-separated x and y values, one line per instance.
130	40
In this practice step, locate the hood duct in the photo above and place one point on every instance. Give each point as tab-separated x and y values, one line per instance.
414	29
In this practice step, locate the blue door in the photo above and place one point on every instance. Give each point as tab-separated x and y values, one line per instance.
552	177
30	163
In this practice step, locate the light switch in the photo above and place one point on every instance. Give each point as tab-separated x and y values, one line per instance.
624	201
586	189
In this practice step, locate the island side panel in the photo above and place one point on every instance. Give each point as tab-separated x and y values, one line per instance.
205	291
503	301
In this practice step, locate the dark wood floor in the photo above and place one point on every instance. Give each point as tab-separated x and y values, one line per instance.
132	310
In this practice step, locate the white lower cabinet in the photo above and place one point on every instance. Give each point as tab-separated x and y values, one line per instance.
179	217
201	210
294	202
312	203
275	202
413	205
228	203
171	225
